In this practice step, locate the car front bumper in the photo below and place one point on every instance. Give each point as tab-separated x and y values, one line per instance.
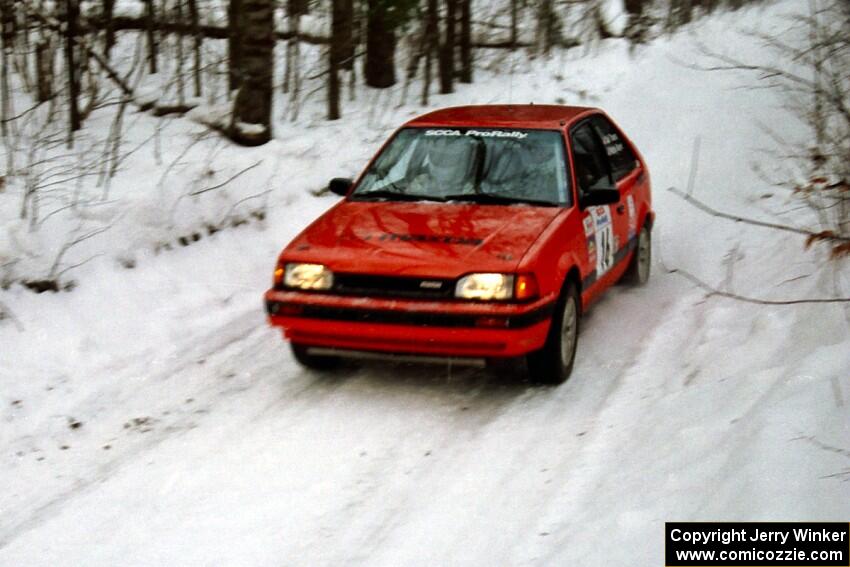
443	328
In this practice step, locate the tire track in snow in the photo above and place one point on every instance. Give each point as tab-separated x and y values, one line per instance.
393	493
116	395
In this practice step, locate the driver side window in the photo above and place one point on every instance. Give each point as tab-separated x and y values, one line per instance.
591	164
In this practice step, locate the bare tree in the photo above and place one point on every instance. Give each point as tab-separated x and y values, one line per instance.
150	23
546	34
514	23
379	71
109	30
636	26
72	15
465	41
447	50
7	34
341	16
815	83
432	46
181	57
197	45
251	120
44	65
235	27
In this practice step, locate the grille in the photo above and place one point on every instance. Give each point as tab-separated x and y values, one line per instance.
393	286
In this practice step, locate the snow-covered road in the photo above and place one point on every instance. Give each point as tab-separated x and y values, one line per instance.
249	459
237	456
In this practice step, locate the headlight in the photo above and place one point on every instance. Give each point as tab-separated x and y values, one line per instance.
485	286
307	276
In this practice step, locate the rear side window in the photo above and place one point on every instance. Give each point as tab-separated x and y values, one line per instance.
591	164
620	155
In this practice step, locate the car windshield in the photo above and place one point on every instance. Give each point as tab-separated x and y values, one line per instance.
483	165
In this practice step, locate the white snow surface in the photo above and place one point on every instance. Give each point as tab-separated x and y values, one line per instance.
201	442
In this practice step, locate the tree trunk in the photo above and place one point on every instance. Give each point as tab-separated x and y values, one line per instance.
198	43
72	13
635	30
514	23
252	109
447	52
7	25
333	87
291	76
340	26
44	68
432	31
379	70
235	25
601	25
181	59
465	41
152	46
109	40
545	26
346	34
298	7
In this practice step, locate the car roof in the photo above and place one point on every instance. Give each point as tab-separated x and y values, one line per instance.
542	116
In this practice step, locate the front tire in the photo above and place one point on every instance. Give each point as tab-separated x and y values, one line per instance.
553	364
312	361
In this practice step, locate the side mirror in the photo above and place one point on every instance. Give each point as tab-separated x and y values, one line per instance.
599	197
340	186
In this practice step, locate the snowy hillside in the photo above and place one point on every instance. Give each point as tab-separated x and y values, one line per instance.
150	416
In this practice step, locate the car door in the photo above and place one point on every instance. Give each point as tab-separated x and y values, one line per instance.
626	173
604	228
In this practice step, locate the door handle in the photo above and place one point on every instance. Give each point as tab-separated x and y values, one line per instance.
621	209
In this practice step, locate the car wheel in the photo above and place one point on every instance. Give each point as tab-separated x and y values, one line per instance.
553	364
638	271
313	361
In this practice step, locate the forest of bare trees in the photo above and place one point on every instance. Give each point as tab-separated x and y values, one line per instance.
63	51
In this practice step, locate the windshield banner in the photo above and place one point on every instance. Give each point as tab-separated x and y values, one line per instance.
479	133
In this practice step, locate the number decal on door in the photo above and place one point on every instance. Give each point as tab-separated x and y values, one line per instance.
605	244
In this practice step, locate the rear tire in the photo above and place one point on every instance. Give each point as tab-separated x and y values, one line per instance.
312	361
637	273
553	364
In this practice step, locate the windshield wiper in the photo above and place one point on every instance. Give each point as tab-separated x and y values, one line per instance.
388	194
497	199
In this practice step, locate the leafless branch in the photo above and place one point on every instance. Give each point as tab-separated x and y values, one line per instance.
231	178
713	212
714	292
52	274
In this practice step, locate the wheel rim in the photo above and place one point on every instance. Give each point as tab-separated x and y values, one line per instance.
644	250
569	329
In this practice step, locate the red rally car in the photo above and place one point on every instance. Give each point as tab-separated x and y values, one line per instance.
477	232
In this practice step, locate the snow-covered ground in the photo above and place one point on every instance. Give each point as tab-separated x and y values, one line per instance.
150	417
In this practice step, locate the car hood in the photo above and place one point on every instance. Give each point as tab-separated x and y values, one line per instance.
421	238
